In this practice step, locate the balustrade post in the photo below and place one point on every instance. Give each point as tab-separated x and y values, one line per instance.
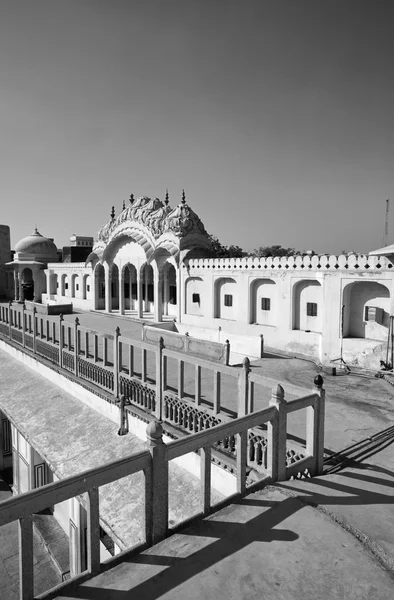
26	568
23	325
9	318
95	348
276	435
116	361
197	385
93	531
159	380
53	332
181	378
86	344
205	476
105	351
76	346
216	392
34	329
143	365
261	345
243	388
123	428
131	361
315	427
158	488
61	340
227	352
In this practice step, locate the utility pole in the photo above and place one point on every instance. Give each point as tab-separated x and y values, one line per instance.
386	223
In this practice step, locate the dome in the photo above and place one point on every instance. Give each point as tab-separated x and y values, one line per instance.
36	244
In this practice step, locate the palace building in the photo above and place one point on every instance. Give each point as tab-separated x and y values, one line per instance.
154	262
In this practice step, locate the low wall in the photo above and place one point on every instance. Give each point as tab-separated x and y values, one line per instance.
50	309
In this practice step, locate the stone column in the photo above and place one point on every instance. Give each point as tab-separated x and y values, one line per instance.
157	294
16	286
146	283
121	291
139	294
165	291
108	287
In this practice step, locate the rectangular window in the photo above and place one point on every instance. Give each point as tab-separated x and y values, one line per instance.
196	298
228	300
265	303
77	286
88	288
66	286
311	309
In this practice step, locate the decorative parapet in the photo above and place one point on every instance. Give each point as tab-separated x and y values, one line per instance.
157	217
354	262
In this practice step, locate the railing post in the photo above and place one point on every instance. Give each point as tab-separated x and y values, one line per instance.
315	426
159	484
61	340
131	361
197	385
276	434
26	569
95	349
159	379
181	378
261	345
76	348
105	351
116	362
242	456
93	531
34	329
123	429
9	318
227	352
143	365
243	388
216	392
205	476
23	325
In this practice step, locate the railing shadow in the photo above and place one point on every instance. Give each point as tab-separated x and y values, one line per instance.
202	546
358	452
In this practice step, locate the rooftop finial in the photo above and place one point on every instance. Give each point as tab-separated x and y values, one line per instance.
167	197
123	205
183	197
113	213
131	200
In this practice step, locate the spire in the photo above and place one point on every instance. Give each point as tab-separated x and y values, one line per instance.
112	213
131	199
166	201
183	197
123	205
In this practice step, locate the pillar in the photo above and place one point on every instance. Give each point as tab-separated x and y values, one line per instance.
16	286
165	291
157	294
108	287
146	283
139	294
121	290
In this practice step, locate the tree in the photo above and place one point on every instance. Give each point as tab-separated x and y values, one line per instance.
220	251
277	250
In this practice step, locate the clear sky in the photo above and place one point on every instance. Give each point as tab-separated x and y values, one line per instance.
276	116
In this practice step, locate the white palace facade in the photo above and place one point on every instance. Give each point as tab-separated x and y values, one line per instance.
152	262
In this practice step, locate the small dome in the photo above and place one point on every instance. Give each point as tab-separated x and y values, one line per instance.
36	244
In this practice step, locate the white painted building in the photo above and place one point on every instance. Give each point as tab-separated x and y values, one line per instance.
150	262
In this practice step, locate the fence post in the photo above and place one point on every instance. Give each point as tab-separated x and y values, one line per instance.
243	388
123	429
76	349
159	379
116	362
26	569
276	434
158	514
9	318
23	325
315	426
61	340
34	329
227	352
261	345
